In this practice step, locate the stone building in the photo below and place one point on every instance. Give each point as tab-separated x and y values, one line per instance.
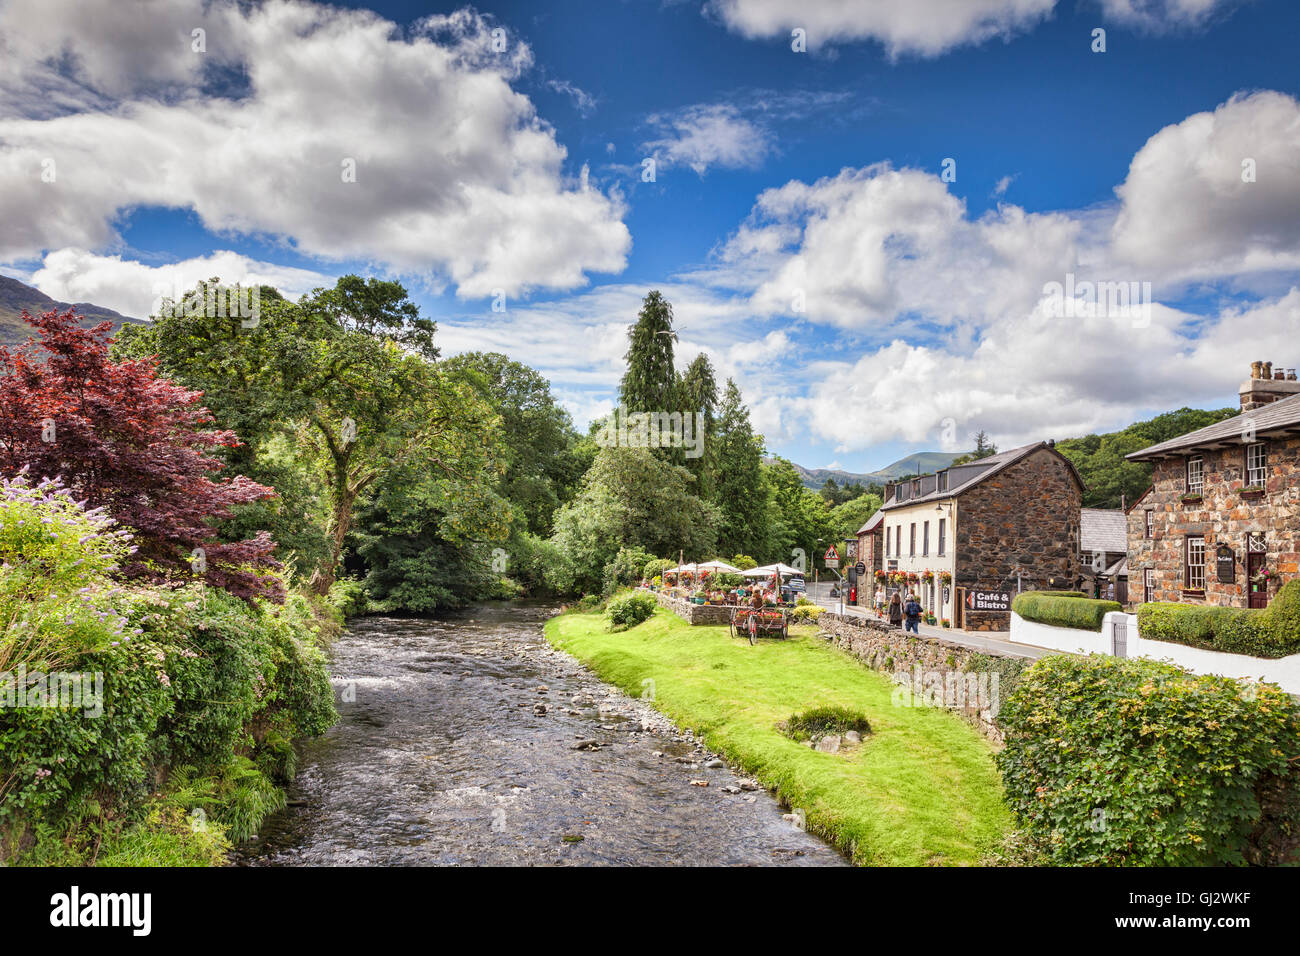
871	544
1103	552
1220	523
1004	523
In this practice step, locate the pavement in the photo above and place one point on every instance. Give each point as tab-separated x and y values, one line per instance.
976	640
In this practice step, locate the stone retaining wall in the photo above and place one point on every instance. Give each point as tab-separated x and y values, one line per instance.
694	613
934	669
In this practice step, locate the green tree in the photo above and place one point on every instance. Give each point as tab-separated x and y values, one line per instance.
650	382
740	493
698	394
803	517
630	498
543	463
849	517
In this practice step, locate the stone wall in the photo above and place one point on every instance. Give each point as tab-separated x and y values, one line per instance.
694	613
1224	515
1025	518
923	662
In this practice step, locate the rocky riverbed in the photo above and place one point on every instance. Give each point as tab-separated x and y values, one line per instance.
472	741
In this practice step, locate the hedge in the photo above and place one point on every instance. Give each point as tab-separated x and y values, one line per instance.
1134	762
1271	632
1063	609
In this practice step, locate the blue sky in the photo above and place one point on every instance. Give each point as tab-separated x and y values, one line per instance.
778	173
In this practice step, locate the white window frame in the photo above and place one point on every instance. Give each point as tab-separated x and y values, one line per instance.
1194	572
1256	472
1149	585
1196	486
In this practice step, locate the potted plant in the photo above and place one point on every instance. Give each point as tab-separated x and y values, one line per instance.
1265	577
944	622
1192	498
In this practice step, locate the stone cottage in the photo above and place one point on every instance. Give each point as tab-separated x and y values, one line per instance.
1004	523
1220	523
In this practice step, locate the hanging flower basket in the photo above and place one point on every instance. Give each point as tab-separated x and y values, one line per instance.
927	576
882	577
945	577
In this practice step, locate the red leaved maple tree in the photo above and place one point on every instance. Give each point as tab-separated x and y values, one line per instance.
135	444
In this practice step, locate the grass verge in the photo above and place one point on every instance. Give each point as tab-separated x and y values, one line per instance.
921	790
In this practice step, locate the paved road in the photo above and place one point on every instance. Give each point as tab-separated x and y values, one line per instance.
821	593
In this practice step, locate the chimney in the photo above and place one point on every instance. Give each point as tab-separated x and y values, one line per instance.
1266	385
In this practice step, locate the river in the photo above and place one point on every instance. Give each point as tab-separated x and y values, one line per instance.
471	741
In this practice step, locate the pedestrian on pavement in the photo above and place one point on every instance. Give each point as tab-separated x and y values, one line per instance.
895	610
912	611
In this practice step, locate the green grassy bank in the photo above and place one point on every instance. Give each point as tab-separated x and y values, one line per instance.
921	790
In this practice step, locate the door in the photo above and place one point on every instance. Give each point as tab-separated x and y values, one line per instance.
1258	592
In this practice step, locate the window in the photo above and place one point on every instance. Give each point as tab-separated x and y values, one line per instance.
943	522
1256	464
1150	523
1195	475
887	537
898	541
1149	584
925	540
913	551
942	481
1195	566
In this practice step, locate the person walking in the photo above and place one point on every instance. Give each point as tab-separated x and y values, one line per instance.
896	609
912	611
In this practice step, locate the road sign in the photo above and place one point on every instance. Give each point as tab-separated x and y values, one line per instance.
831	554
988	600
861	568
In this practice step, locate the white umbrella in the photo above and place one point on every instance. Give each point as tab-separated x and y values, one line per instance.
722	566
769	569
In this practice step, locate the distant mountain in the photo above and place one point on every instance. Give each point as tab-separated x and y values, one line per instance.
919	463
15	297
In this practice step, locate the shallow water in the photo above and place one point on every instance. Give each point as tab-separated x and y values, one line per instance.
440	758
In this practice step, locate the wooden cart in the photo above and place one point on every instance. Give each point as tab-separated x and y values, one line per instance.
768	622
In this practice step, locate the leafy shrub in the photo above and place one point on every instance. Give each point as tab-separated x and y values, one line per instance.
1272	632
726	581
55	590
626	569
200	678
806	612
1063	609
348	596
743	561
820	721
1134	762
656	567
629	610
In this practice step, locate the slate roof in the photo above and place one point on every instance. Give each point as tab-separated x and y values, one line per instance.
873	522
1276	418
962	478
1103	529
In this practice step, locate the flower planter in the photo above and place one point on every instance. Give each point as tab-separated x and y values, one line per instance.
1253	493
1192	499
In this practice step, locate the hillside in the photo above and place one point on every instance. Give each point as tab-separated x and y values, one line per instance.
1108	479
919	463
16	296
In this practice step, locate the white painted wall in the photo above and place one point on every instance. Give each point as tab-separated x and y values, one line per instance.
1283	671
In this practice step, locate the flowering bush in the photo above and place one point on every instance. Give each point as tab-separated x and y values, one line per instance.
56	598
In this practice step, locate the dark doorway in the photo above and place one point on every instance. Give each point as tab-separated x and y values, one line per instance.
1258	592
